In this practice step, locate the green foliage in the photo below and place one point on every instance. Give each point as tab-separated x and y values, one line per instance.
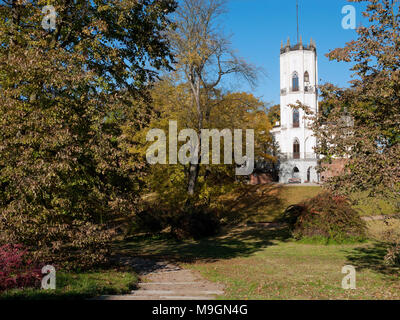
65	179
325	216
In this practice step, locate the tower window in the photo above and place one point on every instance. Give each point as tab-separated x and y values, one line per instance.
296	119
296	149
306	77
295	82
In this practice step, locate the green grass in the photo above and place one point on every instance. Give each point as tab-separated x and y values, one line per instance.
262	203
370	206
80	286
290	270
265	203
257	263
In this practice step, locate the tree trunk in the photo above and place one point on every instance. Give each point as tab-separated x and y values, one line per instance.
195	168
193	175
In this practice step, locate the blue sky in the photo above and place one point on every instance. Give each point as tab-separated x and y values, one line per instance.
257	28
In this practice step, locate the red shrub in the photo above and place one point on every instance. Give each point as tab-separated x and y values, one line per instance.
16	269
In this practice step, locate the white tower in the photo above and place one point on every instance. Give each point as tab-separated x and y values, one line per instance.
299	82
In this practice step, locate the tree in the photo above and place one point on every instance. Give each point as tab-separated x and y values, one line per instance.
274	114
204	58
362	123
173	102
66	93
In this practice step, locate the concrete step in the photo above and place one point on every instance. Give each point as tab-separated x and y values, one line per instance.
184	292
144	297
166	283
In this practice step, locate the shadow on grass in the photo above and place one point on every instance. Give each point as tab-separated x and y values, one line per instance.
372	257
259	203
239	242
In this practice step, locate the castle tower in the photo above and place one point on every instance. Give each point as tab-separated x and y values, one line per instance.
299	82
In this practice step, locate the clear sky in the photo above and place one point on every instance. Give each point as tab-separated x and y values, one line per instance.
258	27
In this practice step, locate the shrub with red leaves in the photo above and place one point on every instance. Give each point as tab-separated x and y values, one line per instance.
327	216
16	269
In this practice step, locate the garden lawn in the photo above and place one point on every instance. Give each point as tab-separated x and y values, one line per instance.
79	286
303	271
259	263
264	203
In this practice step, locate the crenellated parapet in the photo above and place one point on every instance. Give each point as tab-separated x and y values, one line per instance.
299	46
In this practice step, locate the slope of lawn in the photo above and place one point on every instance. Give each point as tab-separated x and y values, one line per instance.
265	203
262	203
259	263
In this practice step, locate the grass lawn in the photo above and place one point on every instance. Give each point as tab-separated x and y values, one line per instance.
265	203
258	263
80	285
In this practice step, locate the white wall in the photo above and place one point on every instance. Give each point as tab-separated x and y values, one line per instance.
299	61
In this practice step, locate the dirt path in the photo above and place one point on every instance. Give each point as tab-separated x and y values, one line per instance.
161	280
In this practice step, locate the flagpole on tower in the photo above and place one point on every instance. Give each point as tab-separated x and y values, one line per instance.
297	10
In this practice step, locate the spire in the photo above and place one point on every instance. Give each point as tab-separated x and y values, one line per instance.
282	44
288	42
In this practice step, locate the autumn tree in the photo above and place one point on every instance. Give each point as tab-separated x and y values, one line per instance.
66	93
274	114
230	110
204	58
362	124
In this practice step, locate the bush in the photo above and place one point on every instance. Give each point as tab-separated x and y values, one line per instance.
16	269
76	245
327	216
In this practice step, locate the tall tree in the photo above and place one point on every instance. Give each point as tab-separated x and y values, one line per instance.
204	58
172	102
362	124
65	94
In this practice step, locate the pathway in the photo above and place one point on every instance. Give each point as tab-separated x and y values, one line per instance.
161	280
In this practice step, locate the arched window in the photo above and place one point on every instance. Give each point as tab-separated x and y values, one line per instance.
296	149
296	173
295	82
306	77
296	118
309	174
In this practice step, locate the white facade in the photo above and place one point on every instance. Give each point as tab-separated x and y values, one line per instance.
299	82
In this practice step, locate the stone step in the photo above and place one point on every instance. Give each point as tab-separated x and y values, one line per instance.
183	292
144	297
167	283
